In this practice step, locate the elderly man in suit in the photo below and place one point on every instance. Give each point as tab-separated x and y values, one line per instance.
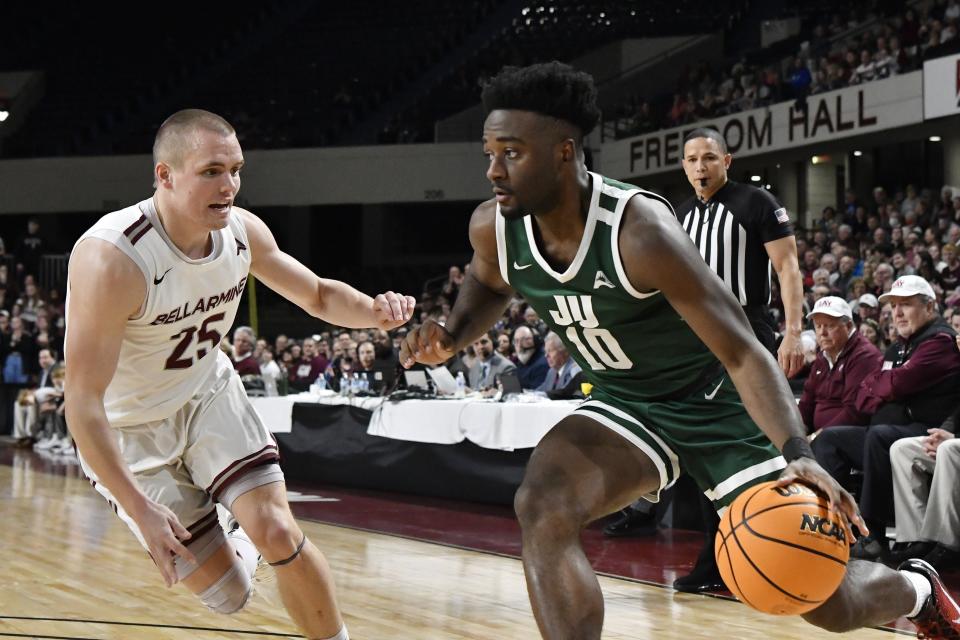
563	369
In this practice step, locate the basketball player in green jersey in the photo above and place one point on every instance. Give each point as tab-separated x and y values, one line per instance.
674	364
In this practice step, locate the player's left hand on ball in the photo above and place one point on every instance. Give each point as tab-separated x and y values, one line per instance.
808	471
393	309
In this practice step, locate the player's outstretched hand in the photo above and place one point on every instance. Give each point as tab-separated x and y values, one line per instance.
430	343
808	471
393	309
790	354
162	532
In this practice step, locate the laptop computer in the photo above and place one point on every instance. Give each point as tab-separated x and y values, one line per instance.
382	378
510	383
416	379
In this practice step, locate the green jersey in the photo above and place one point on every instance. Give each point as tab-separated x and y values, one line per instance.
630	345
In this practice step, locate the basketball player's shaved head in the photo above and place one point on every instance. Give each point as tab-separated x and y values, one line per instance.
177	134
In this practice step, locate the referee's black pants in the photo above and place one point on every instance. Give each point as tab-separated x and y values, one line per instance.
762	324
842	449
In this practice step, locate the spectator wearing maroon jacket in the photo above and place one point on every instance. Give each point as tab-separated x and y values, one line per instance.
845	358
915	389
243	359
304	371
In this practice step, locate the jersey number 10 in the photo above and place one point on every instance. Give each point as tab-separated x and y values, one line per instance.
597	346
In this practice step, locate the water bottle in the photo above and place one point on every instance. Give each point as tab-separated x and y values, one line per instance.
355	385
461	385
319	385
364	383
344	386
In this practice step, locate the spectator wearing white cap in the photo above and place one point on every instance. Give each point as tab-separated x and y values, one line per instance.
845	358
916	389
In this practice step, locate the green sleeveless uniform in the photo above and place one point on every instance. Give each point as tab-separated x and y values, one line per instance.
654	382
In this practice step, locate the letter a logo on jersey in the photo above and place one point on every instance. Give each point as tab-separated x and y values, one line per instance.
602	281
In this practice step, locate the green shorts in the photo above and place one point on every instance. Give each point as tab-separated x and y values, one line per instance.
707	434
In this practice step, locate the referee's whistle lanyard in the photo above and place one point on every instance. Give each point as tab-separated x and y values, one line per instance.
709	209
711	201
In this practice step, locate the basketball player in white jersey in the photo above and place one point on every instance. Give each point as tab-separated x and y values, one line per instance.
160	418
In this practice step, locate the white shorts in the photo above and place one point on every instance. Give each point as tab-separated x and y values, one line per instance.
186	461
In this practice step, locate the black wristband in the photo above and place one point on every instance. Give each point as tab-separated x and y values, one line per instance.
796	447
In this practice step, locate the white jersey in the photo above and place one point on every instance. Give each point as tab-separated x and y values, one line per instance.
171	348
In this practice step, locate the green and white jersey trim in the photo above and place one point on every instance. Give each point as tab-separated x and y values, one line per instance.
745	476
596	214
625	425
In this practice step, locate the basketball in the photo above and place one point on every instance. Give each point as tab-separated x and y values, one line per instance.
779	550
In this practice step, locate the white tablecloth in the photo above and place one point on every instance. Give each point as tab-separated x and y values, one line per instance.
493	425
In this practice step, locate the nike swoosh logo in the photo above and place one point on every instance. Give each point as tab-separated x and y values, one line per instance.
709	396
519	267
157	280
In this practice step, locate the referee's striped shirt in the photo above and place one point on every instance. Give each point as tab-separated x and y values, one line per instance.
730	231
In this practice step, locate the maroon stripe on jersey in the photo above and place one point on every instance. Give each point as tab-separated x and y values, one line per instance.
237	468
116	509
203	525
134	239
129	230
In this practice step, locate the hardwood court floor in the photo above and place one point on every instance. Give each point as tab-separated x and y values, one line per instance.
72	570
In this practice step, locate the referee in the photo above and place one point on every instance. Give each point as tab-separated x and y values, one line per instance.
740	231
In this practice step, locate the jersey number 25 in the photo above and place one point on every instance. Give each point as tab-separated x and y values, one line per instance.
204	334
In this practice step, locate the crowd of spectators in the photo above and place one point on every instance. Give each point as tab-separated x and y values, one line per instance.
31	345
881	276
825	61
519	344
858	251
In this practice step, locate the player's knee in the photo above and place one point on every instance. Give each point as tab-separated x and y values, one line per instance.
901	447
537	505
230	593
527	501
276	535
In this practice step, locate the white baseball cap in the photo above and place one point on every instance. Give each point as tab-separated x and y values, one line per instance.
868	299
907	286
832	306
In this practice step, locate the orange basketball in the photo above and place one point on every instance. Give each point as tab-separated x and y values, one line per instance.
779	550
